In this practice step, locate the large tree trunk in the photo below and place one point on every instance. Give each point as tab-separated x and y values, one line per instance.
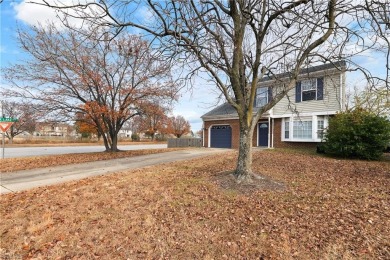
243	172
106	143
114	144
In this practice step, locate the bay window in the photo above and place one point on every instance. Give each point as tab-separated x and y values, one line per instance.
302	129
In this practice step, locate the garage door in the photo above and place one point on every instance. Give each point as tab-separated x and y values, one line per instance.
221	136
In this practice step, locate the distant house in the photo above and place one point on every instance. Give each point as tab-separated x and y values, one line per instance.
298	120
53	129
125	133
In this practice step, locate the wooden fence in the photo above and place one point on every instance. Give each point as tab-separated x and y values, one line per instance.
184	142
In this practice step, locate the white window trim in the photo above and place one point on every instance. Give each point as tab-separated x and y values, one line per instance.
314	125
284	129
315	88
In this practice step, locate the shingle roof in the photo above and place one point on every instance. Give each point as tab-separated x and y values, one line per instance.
326	66
226	110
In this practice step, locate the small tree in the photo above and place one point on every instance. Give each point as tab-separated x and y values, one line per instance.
153	119
178	126
357	133
25	114
374	100
135	137
84	126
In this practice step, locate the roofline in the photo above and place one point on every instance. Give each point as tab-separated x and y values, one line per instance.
338	65
229	116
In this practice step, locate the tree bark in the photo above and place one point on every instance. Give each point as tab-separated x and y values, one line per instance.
105	141
243	172
114	144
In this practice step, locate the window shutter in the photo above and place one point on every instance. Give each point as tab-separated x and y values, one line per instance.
270	94
298	92
320	88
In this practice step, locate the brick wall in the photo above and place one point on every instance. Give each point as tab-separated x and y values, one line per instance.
278	143
234	124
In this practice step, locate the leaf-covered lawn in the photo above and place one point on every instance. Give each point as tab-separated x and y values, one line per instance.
330	209
27	163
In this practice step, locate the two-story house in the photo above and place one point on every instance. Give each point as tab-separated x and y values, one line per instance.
53	129
297	120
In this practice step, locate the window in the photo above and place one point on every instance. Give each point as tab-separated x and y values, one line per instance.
286	129
320	128
309	89
302	129
261	97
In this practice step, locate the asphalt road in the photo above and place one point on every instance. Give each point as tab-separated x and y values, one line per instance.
14	152
24	180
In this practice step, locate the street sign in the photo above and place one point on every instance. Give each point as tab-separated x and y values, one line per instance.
8	119
4	126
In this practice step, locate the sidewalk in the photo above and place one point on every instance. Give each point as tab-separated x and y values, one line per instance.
23	180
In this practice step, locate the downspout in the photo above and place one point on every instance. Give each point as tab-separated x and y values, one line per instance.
209	134
342	105
204	129
272	136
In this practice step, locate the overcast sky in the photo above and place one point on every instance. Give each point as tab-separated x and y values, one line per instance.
191	105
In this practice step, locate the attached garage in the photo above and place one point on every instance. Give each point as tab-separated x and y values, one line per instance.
221	136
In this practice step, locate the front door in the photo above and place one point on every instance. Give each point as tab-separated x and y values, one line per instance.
263	133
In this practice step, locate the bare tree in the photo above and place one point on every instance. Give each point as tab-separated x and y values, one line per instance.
153	119
106	80
25	114
376	101
239	42
178	126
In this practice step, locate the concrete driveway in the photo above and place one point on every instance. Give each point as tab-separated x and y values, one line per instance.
23	180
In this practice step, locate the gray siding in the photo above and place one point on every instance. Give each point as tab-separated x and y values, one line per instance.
331	102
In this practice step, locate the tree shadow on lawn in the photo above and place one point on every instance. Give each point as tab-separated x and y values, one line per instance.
227	181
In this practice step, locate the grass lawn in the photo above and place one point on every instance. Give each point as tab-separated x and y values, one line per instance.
329	209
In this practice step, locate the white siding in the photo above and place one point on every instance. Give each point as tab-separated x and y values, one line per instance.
331	102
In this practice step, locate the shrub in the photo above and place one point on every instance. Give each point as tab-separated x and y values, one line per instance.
135	137
358	134
161	137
